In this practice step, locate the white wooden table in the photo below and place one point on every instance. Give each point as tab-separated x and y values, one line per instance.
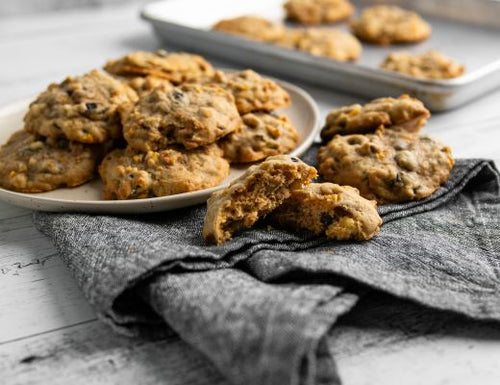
49	333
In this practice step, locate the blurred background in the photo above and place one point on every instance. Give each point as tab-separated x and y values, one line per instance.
23	7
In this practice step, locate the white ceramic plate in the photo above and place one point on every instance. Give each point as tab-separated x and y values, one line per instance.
303	113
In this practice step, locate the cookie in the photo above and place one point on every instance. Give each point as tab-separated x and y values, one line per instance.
251	91
260	136
32	164
329	42
176	67
389	166
83	109
251	27
256	193
338	212
404	112
385	25
318	11
127	174
191	115
145	84
429	65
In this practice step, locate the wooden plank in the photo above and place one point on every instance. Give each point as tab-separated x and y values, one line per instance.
92	354
38	293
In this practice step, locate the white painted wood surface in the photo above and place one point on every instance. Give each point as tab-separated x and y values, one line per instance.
49	333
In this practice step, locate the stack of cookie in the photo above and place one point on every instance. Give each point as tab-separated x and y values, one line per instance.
379	24
168	122
378	149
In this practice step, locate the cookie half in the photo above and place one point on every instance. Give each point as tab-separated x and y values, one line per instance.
176	67
84	109
127	174
385	25
388	166
318	11
338	212
408	114
256	193
32	164
260	136
191	115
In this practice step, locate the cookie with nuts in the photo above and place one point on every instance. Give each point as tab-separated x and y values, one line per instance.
389	166
33	164
191	115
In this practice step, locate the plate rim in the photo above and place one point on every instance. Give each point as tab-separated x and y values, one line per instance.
32	200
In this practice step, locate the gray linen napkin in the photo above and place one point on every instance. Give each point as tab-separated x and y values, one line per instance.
260	307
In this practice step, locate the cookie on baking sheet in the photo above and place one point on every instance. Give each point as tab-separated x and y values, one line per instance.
252	27
338	212
329	42
82	108
176	67
32	164
318	11
252	92
429	65
406	113
386	24
389	166
256	193
127	174
191	115
260	136
145	84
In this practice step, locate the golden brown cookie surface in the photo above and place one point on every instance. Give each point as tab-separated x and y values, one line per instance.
260	136
385	24
191	115
251	27
429	65
338	212
328	42
389	166
318	11
252	92
404	112
127	174
33	164
256	193
81	108
176	67
145	84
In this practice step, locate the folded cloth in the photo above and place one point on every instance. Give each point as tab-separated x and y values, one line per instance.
261	305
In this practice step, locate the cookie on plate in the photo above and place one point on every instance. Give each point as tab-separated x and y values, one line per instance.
145	84
338	212
386	24
318	11
176	67
84	109
329	42
389	166
256	193
127	174
252	27
429	65
32	164
252	92
191	115
406	113
260	136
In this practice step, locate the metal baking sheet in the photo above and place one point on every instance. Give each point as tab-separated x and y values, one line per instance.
466	30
